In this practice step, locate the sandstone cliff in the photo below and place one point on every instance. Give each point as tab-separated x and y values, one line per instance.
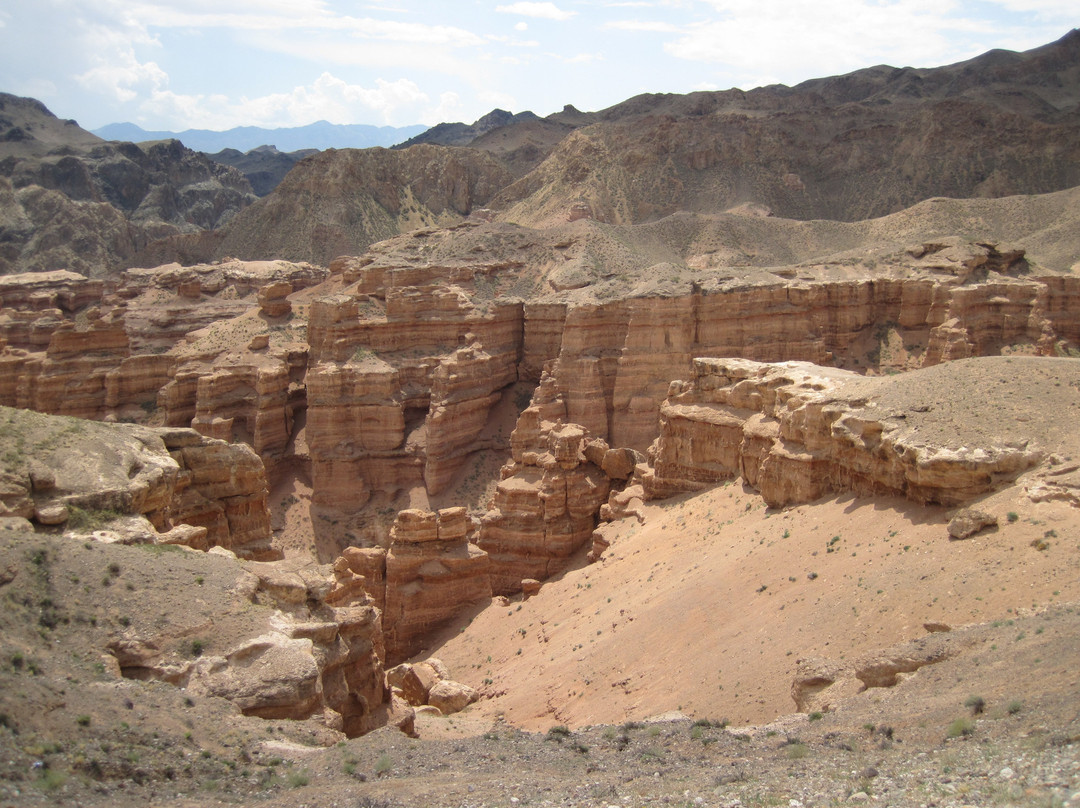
428	575
797	431
182	488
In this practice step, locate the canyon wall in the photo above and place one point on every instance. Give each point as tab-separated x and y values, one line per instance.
797	431
613	361
399	389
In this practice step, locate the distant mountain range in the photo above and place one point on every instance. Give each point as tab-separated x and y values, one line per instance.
318	135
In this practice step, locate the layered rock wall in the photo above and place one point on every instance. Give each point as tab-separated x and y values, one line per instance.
614	360
430	572
796	431
545	507
55	467
398	395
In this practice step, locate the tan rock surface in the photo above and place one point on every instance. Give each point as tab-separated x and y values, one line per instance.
797	432
99	472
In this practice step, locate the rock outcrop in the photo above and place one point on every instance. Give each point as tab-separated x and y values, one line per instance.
953	300
199	346
313	660
399	390
820	684
430	572
85	475
545	507
428	684
797	431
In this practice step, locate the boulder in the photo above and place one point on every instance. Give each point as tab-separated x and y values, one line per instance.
970	521
451	697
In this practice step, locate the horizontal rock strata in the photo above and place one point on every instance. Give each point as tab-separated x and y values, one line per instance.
797	431
84	475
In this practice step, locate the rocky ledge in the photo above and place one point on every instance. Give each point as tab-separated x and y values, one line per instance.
797	431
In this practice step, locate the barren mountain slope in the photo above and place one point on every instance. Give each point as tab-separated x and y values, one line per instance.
69	200
589	261
339	202
847	147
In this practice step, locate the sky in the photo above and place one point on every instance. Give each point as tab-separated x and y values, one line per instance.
216	64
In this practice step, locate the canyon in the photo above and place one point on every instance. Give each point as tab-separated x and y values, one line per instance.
582	420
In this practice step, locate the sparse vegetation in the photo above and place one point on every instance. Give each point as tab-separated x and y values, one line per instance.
960	728
86	520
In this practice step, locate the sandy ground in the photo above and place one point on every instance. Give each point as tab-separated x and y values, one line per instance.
707	607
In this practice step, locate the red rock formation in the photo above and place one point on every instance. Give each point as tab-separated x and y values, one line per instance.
546	505
222	487
430	572
796	432
394	398
955	300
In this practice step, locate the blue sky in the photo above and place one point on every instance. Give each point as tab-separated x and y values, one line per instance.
215	64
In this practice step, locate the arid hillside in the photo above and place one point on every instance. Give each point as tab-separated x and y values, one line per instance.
69	200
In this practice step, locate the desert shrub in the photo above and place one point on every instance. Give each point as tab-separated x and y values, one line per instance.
298	779
797	751
90	519
960	728
558	732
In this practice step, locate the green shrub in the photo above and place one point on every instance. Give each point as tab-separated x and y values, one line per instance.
960	728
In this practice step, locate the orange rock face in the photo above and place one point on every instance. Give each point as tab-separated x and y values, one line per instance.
430	572
614	360
796	432
546	506
399	391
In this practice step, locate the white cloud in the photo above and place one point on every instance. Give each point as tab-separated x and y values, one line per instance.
116	71
280	15
543	11
584	58
644	25
766	41
521	26
1052	9
514	43
496	100
327	98
448	109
